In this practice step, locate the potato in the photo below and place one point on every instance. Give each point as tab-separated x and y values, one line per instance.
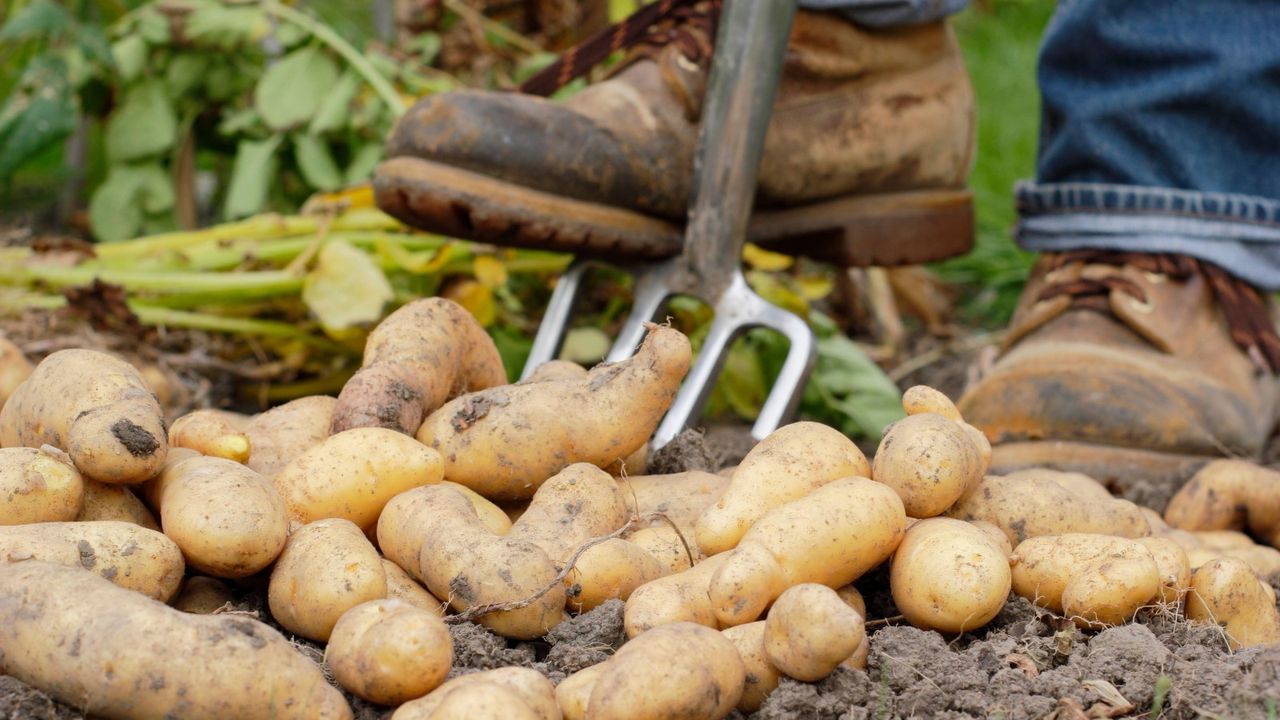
811	630
831	536
666	545
210	432
683	670
1096	580
929	461
282	433
327	568
353	474
229	520
494	518
505	441
949	576
14	368
115	502
417	358
1224	539
851	597
577	504
574	692
792	462
1174	566
401	586
1229	495
634	464
38	486
681	597
609	570
113	653
1227	593
482	700
555	370
680	497
922	399
1031	503
531	695
96	408
203	595
460	560
761	677
858	660
129	556
389	652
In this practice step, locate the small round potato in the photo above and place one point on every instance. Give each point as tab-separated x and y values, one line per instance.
811	630
212	432
1174	565
609	570
762	677
327	568
1096	580
389	652
930	461
1226	592
530	692
130	556
38	486
574	692
949	576
115	502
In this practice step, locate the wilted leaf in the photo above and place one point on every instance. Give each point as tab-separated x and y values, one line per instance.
336	108
291	91
130	55
814	287
346	291
362	165
251	177
476	298
40	112
777	291
316	162
760	259
143	126
585	345
489	270
419	263
742	381
42	19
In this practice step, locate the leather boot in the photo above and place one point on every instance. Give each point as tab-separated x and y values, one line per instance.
1133	369
885	113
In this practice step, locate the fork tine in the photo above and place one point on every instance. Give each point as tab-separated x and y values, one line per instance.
788	388
651	291
697	386
555	321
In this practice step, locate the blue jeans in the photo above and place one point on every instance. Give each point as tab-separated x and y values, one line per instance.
1160	128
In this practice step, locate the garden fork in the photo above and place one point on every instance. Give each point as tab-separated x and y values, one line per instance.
750	47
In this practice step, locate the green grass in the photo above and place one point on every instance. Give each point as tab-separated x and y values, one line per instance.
1001	40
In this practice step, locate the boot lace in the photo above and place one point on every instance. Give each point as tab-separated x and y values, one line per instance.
1247	313
690	25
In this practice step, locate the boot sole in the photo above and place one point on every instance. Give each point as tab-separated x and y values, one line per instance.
905	228
1146	477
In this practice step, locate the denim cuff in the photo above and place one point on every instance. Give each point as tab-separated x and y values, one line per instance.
889	13
1239	233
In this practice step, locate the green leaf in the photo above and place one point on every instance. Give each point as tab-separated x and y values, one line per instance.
143	126
41	111
156	188
425	47
346	291
153	26
855	386
115	210
42	19
93	44
185	71
316	162
291	91
220	26
362	165
336	108
241	122
513	347
130	56
742	380
251	177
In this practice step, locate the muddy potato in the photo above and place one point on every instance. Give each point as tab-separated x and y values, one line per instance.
531	695
352	475
679	497
929	461
609	570
1096	580
574	692
505	441
96	408
115	502
14	368
921	399
327	568
1174	566
211	432
831	536
577	504
681	597
761	675
810	630
792	462
137	658
1229	495
1227	593
38	486
400	586
282	433
229	521
494	518
667	546
129	556
949	576
202	595
389	652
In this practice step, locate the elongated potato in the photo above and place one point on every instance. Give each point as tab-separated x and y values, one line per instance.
203	595
680	497
792	462
129	556
667	546
505	441
211	432
1226	592
38	486
1174	565
929	461
535	694
327	568
609	570
14	368
574	692
115	502
1229	495
482	700
831	536
811	630
229	521
415	359
114	653
681	597
95	407
402	587
389	652
950	576
282	433
761	677
460	561
577	504
353	474
683	670
494	518
1096	580
1031	503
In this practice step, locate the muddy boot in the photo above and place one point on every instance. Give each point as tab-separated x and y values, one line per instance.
1133	369
871	130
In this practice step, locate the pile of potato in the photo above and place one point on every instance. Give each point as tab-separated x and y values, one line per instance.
431	492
